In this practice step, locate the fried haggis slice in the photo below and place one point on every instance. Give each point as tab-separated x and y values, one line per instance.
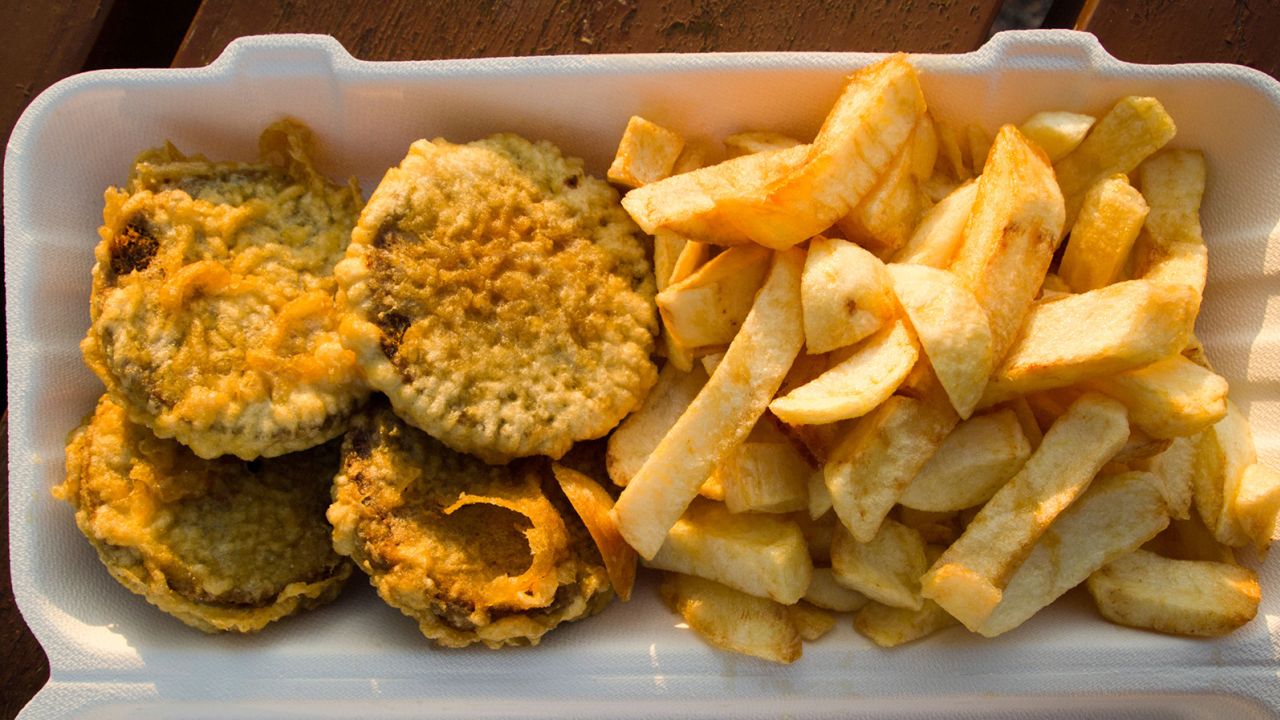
212	307
219	544
473	552
500	297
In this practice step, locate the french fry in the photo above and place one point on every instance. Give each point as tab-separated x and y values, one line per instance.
745	143
877	458
1173	184
924	148
733	620
969	578
1223	453
592	503
817	535
1169	398
1112	519
886	217
977	457
645	154
979	144
688	258
1105	331
826	592
631	444
949	149
759	554
1111	215
952	328
1026	420
698	153
769	477
854	386
1134	129
1057	133
707	307
1188	539
1183	597
819	496
845	293
887	569
1175	467
1257	503
935	528
941	230
810	622
1011	234
889	626
721	415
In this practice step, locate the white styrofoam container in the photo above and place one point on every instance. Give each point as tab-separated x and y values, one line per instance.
112	655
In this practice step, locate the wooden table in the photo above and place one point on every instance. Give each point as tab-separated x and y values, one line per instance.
41	42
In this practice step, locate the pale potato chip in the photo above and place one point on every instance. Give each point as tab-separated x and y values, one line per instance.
690	256
759	554
887	216
593	503
1011	234
889	626
745	143
698	153
876	460
1129	133
968	580
817	535
887	569
632	442
949	149
819	496
770	477
1112	519
1111	215
1257	503
667	247
826	592
855	385
1169	398
1223	453
1026	419
707	307
1057	132
952	329
845	292
1173	184
941	230
924	148
645	154
1188	539
979	456
733	620
1101	332
1183	597
1175	467
811	622
721	415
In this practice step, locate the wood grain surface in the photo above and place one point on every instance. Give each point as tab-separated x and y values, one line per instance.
1246	32
407	29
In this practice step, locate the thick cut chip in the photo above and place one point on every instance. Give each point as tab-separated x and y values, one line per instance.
952	328
637	436
953	157
1258	503
810	621
1027	419
845	292
1169	398
887	569
667	247
688	258
979	145
592	503
1057	133
708	307
1183	597
698	153
819	496
1175	467
1173	184
763	555
1105	331
1011	234
941	528
969	577
645	154
1222	455
1130	132
722	414
1110	217
978	457
745	143
889	626
1189	539
1112	519
924	149
941	230
856	385
733	620
876	459
770	477
887	216
827	592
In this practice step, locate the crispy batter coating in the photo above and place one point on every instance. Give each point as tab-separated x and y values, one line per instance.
212	308
500	297
219	544
473	552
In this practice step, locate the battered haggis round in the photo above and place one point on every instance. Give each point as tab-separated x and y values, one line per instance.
212	308
474	552
219	544
501	298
